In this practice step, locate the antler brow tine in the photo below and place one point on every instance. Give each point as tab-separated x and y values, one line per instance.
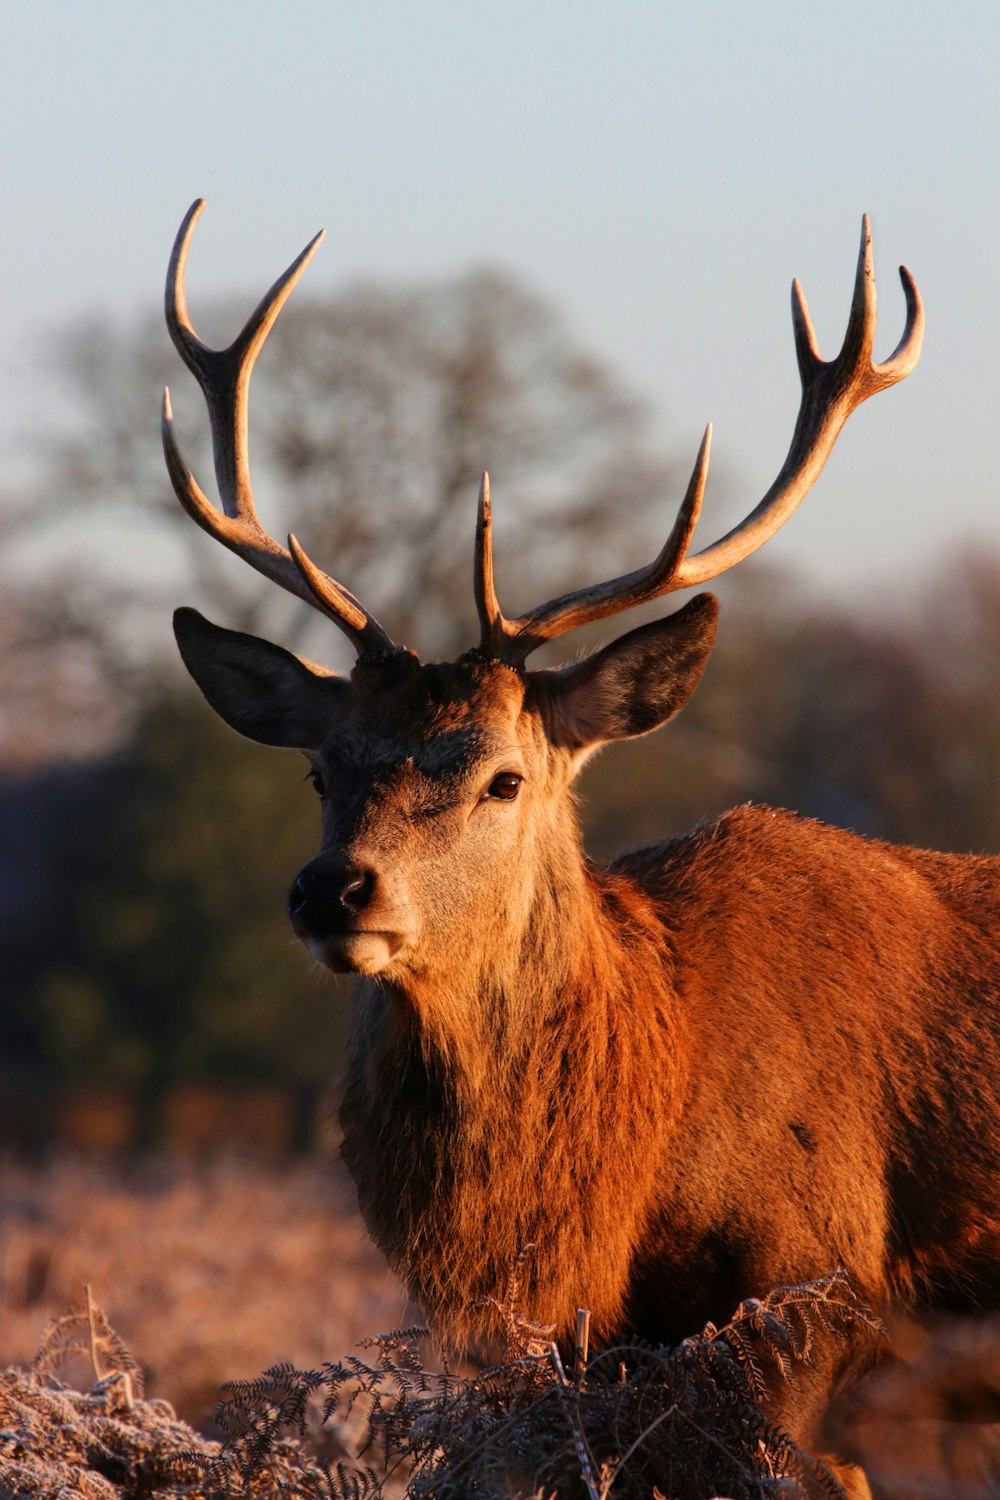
224	378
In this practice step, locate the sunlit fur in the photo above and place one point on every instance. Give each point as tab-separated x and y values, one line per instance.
759	1052
739	1059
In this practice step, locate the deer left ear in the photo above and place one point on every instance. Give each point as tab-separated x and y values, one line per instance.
632	686
260	689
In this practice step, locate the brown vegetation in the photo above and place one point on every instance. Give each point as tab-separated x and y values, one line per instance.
628	1423
209	1272
632	1420
95	1445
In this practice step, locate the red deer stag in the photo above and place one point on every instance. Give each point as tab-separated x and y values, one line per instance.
741	1058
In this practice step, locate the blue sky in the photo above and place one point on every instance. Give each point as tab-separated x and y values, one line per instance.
661	171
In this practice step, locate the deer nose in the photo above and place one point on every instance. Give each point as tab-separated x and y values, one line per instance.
323	895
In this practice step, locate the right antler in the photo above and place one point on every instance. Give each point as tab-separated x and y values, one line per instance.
830	392
224	377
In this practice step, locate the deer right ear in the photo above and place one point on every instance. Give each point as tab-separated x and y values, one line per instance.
632	686
260	689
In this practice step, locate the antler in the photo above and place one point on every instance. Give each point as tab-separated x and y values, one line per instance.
224	377
831	389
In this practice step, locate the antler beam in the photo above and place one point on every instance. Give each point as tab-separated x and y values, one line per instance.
830	392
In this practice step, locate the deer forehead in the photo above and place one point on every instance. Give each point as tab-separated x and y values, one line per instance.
440	720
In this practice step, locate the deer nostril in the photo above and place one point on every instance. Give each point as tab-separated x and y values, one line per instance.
300	897
356	889
322	898
297	897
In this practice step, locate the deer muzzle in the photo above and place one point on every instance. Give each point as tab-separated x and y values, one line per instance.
340	913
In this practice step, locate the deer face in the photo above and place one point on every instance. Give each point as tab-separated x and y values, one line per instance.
427	781
443	786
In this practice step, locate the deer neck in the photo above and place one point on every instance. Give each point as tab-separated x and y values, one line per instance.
506	1100
543	945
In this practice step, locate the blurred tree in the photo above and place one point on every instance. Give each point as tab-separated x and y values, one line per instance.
957	625
888	721
146	940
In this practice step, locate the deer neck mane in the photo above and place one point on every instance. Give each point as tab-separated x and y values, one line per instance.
454	1098
572	936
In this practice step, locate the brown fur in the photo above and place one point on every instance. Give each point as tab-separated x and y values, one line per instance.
763	1051
739	1059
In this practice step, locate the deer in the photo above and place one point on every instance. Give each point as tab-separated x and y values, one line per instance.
741	1058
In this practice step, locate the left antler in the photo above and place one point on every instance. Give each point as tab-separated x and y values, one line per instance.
831	389
224	377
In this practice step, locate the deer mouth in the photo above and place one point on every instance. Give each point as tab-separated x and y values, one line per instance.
357	951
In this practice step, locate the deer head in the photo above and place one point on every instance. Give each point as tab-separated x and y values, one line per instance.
444	786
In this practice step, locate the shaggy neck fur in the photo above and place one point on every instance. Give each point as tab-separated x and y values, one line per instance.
495	1110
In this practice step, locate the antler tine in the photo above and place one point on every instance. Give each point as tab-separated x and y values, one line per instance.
830	392
224	374
349	610
859	339
514	640
904	357
491	619
224	378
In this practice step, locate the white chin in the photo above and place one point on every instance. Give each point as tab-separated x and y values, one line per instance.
355	952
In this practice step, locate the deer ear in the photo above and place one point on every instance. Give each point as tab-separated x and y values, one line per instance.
632	686
260	690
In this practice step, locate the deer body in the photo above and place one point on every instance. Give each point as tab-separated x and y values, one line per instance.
742	1058
686	1111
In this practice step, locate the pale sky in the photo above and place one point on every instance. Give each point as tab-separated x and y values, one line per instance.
659	170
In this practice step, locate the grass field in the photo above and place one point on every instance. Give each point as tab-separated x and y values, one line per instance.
209	1271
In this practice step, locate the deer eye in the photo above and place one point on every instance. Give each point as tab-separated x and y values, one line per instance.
505	787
